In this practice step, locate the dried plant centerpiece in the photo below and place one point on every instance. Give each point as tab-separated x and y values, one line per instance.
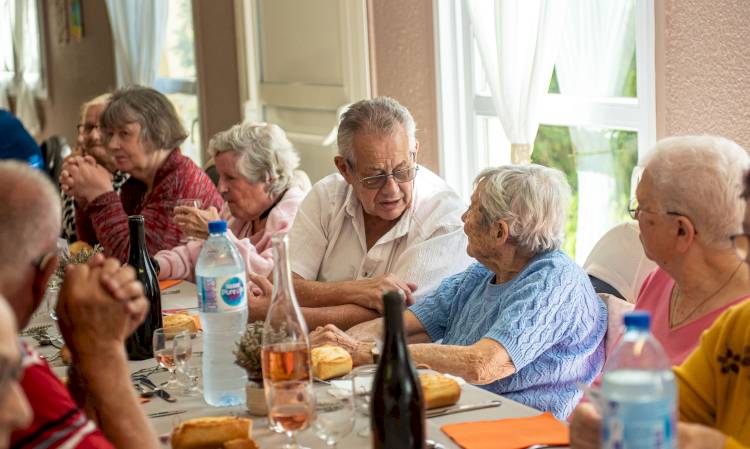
248	356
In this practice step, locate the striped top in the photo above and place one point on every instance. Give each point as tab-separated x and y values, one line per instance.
58	422
548	318
177	178
68	231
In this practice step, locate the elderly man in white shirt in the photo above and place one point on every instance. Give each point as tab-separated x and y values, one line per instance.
381	223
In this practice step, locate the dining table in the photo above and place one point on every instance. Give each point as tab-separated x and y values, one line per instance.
182	298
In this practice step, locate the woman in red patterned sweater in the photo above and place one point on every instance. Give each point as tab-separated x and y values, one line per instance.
143	134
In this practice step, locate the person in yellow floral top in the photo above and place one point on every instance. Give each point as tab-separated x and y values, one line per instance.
713	382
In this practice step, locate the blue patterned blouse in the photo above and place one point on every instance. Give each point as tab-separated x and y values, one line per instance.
547	317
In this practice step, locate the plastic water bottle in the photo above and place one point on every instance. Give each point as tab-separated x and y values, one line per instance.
222	296
639	391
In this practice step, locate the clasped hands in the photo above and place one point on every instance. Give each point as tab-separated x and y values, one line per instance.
84	179
100	304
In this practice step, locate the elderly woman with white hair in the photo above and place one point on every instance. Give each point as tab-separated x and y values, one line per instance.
525	321
688	205
256	165
90	142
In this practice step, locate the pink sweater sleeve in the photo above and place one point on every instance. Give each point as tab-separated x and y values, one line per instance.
179	262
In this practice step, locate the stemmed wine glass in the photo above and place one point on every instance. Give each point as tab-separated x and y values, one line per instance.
164	354
291	406
183	351
334	415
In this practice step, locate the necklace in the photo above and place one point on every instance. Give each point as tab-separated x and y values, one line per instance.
676	293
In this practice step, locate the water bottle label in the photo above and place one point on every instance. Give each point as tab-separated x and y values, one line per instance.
222	294
641	425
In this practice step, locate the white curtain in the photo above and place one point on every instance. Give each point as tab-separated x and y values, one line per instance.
138	30
518	42
26	79
597	45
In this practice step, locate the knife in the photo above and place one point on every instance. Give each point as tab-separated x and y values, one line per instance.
461	408
166	413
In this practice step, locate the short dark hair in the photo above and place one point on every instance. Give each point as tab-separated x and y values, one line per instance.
160	124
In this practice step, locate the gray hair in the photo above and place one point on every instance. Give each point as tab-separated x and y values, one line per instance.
265	154
701	177
160	124
380	116
30	207
532	199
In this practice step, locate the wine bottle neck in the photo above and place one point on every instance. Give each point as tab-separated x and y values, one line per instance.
282	273
394	319
137	235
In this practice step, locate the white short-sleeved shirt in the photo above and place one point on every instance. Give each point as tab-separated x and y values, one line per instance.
427	244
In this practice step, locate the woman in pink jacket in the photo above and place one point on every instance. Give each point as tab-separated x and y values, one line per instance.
256	165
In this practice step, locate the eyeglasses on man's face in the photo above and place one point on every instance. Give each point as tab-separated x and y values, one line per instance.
400	176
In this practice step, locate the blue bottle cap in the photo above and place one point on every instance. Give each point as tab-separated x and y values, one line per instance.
217	227
638	319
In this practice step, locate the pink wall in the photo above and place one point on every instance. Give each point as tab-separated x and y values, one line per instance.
402	58
703	68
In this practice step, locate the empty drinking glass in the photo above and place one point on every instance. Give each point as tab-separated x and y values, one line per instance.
362	378
334	415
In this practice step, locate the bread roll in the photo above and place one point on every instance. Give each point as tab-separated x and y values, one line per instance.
77	247
439	391
330	361
240	443
210	432
178	322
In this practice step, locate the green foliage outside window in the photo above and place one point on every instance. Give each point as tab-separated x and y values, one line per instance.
553	148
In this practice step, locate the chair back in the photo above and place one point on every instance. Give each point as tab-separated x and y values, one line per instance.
54	150
619	262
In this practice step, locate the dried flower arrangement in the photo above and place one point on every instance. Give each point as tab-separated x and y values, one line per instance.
248	352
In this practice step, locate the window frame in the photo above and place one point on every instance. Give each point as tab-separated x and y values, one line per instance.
459	106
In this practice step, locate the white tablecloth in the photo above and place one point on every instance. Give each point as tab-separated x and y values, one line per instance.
183	296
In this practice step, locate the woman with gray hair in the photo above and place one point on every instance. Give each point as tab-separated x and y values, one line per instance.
256	165
143	134
524	322
688	205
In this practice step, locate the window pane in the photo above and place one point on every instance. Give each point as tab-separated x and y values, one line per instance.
598	164
596	57
177	74
6	41
32	58
187	108
179	54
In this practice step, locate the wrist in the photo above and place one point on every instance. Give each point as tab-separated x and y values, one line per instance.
366	353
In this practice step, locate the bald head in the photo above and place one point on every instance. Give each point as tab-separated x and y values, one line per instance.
30	211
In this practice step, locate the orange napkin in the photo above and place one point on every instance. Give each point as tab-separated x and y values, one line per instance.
165	284
515	433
